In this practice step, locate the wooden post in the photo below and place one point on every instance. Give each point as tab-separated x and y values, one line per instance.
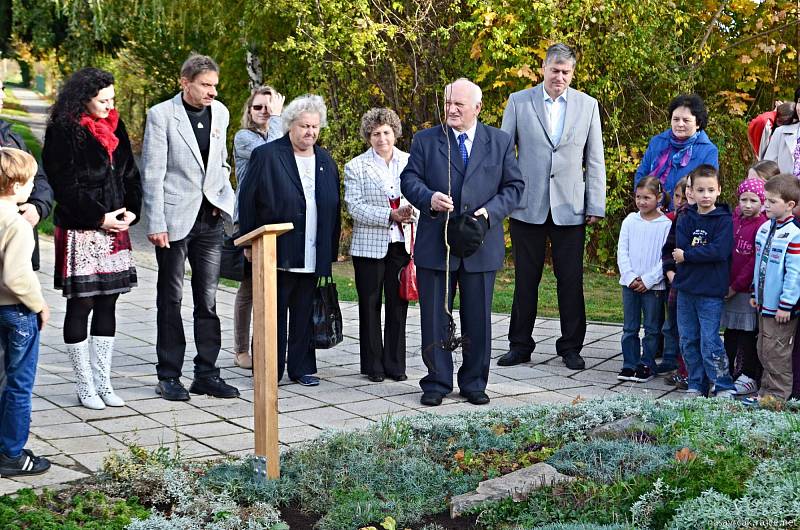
265	341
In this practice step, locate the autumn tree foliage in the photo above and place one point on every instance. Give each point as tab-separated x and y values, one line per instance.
633	56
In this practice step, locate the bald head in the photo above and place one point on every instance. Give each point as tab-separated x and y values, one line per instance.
462	104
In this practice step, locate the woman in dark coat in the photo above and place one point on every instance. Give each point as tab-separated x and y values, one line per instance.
89	162
294	180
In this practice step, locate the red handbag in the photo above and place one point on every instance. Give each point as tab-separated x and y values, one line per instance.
408	277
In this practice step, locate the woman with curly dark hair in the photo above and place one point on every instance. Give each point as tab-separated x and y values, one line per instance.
88	159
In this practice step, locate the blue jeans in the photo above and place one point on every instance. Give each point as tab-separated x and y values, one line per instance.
19	334
703	351
634	305
670	331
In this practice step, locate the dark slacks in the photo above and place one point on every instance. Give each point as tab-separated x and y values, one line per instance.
203	248
476	290
528	244
295	310
373	278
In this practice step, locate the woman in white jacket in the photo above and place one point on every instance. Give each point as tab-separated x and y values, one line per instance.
383	227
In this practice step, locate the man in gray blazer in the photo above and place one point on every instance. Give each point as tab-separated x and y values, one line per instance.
187	193
560	151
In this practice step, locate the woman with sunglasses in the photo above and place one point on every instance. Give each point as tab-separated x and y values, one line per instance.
261	123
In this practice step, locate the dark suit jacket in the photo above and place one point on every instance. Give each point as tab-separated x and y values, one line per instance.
492	181
272	193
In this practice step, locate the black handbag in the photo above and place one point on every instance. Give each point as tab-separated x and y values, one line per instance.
232	262
327	317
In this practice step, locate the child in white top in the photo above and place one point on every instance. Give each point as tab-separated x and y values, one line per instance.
641	238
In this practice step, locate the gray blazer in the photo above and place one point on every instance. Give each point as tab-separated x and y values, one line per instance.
567	180
367	203
782	145
173	177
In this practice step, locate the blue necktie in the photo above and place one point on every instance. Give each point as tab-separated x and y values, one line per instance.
462	148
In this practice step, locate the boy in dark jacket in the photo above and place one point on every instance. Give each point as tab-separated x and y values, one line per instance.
704	242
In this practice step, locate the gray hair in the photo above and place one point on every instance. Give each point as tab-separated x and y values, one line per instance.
247	119
477	93
560	53
374	118
196	64
310	103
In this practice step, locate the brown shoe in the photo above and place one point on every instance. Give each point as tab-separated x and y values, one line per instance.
243	360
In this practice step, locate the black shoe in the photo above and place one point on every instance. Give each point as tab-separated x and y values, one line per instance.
513	358
643	374
431	399
24	464
626	374
375	378
573	360
476	398
172	390
401	377
213	386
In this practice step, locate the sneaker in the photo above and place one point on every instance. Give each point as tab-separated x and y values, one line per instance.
25	464
726	394
676	381
693	392
666	369
307	380
626	374
751	401
643	374
745	385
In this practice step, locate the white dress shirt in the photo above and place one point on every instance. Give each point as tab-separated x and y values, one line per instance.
390	176
306	167
556	109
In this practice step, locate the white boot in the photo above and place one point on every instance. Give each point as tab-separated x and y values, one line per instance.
102	351
84	382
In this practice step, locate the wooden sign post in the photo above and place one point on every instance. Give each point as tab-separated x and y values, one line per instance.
265	340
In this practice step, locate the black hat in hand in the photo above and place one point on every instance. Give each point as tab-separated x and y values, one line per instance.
465	234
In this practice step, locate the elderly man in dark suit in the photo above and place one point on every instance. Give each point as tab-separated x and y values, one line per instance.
560	145
486	183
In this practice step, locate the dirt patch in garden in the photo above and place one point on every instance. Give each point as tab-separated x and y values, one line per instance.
300	520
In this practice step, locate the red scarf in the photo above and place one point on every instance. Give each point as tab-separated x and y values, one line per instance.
103	130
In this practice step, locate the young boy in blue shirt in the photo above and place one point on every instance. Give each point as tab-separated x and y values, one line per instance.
776	285
704	242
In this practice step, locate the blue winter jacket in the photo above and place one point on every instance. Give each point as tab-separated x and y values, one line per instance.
703	152
707	244
776	279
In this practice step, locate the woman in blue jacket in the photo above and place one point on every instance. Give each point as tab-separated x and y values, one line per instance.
674	153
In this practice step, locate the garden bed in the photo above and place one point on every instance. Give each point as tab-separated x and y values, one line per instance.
637	463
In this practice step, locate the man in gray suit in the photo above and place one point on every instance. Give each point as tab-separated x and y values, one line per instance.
187	192
560	151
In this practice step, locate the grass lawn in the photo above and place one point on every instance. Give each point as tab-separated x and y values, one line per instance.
602	293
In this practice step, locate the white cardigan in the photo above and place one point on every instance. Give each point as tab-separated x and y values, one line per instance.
369	207
782	145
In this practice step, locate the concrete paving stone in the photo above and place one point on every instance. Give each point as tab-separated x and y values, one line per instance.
209	430
513	388
292	435
190	449
87	444
372	408
55	390
46	378
107	413
587	392
322	417
147	437
391	388
155	404
519	372
64	430
293	403
40	447
38	403
52	417
351	424
231	409
543	398
183	417
146	392
244	441
597	376
353	380
7	486
129	423
557	383
56	475
93	462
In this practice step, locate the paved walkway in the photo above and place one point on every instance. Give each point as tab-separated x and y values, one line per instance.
77	439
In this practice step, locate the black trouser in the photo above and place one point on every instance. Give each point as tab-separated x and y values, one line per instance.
295	295
203	248
529	244
475	294
373	277
740	344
